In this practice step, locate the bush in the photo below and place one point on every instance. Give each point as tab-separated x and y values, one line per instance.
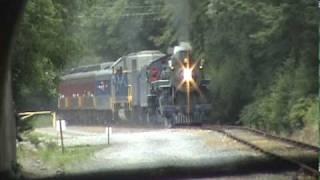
33	138
51	145
41	121
287	105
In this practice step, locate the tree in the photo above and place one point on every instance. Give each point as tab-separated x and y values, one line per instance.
43	46
261	56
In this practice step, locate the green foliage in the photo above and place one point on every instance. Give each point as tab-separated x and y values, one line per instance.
312	112
261	56
43	46
262	60
56	158
38	121
119	27
33	138
285	107
259	53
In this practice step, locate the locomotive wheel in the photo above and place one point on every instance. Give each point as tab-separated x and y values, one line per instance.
143	116
148	117
139	115
168	122
179	118
151	117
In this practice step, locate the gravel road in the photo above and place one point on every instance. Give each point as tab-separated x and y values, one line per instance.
155	148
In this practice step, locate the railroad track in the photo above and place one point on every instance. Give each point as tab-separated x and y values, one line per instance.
306	169
279	138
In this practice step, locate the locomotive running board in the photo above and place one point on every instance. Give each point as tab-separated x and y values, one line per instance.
161	83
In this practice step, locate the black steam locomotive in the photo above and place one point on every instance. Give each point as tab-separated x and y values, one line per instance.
179	94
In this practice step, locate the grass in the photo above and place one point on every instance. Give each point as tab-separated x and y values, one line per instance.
43	120
51	154
56	158
35	138
310	132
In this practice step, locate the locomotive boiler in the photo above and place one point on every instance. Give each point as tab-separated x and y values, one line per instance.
180	93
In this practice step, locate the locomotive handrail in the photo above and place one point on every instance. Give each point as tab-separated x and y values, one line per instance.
130	97
159	81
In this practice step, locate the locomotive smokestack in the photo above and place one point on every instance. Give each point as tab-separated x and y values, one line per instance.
180	18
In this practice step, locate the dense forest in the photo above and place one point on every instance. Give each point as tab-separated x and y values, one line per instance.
261	56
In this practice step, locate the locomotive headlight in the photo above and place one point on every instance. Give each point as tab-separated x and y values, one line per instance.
187	74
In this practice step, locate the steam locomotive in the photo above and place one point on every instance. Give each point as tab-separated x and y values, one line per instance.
179	93
146	86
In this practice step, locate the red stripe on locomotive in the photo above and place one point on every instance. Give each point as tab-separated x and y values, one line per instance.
154	74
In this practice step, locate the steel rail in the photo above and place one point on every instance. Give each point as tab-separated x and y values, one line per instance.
305	167
279	138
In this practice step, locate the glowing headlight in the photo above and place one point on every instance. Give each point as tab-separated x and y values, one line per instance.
187	74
